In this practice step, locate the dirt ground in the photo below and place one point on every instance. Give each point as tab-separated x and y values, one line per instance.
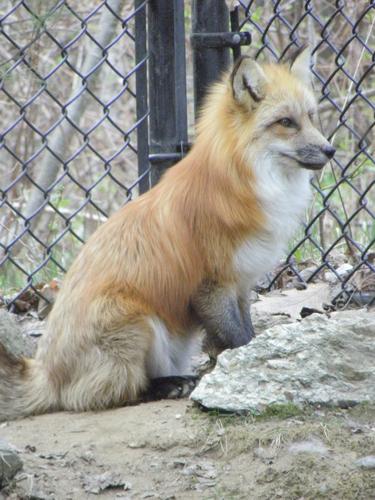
173	450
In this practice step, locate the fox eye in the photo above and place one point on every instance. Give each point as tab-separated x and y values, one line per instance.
287	122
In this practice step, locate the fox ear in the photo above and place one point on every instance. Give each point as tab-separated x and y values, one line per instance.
300	65
248	81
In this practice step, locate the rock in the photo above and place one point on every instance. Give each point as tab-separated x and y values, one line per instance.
263	320
312	446
204	474
107	480
306	273
344	270
203	469
366	462
10	463
320	360
33	328
265	454
340	273
11	336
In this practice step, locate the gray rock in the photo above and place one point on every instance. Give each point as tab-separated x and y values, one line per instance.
312	446
265	454
317	361
263	320
107	480
366	462
12	336
10	463
307	272
340	273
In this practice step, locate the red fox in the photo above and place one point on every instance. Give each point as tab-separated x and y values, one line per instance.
182	257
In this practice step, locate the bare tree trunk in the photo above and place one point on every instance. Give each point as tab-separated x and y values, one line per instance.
62	135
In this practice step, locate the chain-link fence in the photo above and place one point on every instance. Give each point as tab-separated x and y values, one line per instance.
74	132
68	150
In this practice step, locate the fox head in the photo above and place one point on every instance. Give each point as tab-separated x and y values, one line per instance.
277	102
268	112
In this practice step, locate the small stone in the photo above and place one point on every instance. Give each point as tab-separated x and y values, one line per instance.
366	462
330	277
11	336
344	270
323	489
265	454
340	273
107	480
313	446
10	463
203	469
307	272
299	285
132	444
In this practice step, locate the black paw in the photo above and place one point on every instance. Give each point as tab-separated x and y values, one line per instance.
173	387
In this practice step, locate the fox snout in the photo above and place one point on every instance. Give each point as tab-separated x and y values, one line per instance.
314	157
329	151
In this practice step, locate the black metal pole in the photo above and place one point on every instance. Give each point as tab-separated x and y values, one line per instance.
141	92
208	16
167	84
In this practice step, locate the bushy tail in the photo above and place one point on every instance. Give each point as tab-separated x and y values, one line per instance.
24	389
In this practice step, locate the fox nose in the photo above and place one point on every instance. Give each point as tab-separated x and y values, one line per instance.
329	151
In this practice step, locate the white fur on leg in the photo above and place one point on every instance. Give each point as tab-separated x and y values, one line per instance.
170	354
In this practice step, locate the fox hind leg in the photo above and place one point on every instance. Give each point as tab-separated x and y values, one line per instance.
112	372
132	361
169	363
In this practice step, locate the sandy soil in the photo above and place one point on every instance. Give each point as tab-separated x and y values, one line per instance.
172	450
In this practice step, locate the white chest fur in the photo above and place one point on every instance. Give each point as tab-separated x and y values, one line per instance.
283	199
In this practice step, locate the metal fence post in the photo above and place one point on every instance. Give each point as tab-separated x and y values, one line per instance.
167	84
208	16
141	92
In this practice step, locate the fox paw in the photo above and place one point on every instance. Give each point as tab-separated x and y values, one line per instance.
173	387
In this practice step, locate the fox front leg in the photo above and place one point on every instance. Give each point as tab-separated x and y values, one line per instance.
244	305
225	317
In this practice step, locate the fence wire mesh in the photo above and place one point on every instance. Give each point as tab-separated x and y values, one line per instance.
68	150
68	133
